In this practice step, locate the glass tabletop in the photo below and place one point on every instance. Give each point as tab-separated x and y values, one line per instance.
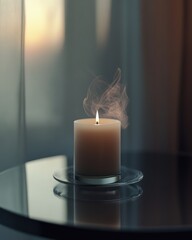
31	200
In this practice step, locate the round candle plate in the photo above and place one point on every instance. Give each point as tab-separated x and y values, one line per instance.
128	176
101	194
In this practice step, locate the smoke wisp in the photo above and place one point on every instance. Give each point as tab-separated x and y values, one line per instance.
109	99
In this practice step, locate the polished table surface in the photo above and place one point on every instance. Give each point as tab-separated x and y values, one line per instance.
159	206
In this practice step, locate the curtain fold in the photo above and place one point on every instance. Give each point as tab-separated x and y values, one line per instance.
161	46
185	111
12	112
12	104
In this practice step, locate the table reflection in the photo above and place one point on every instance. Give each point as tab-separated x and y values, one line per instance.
41	202
97	206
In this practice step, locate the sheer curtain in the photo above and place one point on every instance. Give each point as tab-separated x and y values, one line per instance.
59	49
12	104
12	98
143	38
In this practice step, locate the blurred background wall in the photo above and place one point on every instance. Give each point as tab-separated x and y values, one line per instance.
51	50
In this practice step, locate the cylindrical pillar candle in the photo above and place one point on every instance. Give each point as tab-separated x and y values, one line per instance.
97	150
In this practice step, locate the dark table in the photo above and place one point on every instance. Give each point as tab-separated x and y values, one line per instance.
160	206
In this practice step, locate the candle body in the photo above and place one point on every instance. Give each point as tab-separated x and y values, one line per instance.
97	147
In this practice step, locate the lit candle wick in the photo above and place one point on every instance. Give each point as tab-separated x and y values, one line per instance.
97	117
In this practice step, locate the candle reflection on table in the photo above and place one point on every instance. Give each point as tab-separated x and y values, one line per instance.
94	211
100	206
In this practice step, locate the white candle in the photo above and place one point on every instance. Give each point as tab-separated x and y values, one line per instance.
97	150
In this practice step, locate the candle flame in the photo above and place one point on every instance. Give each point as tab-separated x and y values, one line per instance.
97	117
